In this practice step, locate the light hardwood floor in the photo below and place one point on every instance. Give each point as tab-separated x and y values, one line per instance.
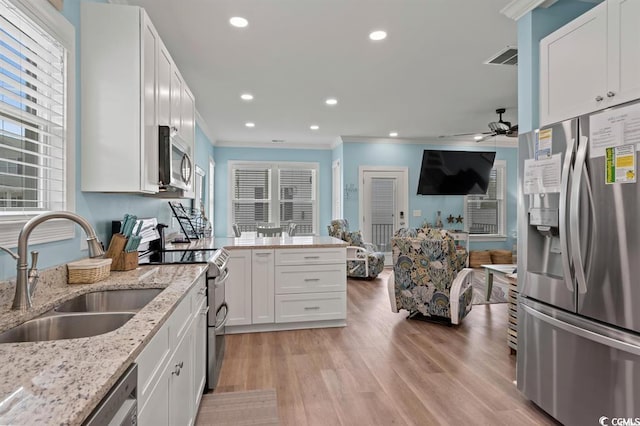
383	369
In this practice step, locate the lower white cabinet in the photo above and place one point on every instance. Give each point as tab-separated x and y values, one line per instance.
172	367
279	289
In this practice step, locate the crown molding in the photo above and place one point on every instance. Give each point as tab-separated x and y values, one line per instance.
518	8
204	127
272	145
496	141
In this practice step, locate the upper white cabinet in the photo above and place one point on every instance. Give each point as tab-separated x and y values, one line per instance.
591	63
130	86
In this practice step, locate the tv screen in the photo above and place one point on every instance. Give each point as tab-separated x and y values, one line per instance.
455	172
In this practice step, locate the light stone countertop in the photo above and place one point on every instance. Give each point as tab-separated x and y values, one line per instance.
61	382
262	243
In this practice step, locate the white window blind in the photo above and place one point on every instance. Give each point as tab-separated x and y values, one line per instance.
251	197
32	116
297	198
485	214
382	210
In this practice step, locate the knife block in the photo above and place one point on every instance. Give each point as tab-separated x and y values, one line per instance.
122	261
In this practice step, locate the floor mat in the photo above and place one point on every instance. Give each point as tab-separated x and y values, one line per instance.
256	407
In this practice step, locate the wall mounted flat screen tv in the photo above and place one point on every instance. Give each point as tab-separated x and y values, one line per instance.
455	172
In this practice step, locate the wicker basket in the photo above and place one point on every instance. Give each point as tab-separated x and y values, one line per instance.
477	258
501	257
87	271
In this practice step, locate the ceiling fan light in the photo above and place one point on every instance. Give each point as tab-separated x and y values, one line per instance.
498	127
478	137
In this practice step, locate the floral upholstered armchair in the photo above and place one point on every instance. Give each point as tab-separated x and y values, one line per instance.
362	259
429	277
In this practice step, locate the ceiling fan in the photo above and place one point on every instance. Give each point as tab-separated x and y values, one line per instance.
499	127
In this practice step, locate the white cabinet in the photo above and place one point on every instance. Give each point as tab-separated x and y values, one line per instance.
130	86
591	63
262	286
286	289
238	287
119	133
172	367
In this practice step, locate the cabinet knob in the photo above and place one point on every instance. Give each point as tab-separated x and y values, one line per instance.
599	98
610	94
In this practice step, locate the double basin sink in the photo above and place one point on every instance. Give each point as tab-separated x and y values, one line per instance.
85	315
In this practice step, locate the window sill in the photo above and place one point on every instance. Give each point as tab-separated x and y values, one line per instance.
47	232
487	238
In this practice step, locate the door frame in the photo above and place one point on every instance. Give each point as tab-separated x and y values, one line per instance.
404	182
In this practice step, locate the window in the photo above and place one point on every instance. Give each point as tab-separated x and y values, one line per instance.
36	44
277	193
485	215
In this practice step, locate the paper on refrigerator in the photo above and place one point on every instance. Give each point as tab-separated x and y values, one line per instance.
616	127
542	176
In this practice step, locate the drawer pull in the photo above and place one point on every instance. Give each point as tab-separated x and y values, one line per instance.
262	254
312	257
311	279
311	308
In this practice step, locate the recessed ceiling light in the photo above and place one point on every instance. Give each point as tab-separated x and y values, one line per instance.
314	127
238	22
378	35
331	101
250	124
393	134
478	137
277	140
246	97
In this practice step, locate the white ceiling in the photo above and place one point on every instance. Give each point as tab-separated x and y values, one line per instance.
426	79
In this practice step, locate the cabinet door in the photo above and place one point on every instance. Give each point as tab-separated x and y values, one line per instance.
180	370
164	86
262	286
188	121
238	287
149	147
573	78
156	411
176	98
624	51
199	354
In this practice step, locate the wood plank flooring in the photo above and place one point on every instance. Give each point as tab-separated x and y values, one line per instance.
383	369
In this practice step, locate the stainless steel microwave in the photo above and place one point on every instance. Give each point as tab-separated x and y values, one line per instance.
176	166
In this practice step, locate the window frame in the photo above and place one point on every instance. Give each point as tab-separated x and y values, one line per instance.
501	169
274	199
44	14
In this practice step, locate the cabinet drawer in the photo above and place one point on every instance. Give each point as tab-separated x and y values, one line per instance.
310	256
317	278
311	306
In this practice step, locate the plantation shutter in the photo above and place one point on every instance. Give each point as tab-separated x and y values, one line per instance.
382	209
483	211
251	197
297	198
32	116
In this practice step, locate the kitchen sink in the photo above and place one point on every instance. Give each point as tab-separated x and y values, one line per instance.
69	326
110	301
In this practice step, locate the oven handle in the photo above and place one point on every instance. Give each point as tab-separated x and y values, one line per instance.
221	281
223	322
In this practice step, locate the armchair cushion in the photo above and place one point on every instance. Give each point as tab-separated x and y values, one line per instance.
339	228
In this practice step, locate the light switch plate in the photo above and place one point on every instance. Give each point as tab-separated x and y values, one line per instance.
417	213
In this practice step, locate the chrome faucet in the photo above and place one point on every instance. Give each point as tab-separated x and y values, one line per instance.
26	282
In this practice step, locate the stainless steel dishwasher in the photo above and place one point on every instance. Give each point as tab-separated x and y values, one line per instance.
120	406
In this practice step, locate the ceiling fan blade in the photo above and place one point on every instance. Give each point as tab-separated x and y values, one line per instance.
466	134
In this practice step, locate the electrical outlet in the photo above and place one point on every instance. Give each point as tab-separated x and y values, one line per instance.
417	213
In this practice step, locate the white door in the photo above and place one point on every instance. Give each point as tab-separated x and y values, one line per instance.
383	205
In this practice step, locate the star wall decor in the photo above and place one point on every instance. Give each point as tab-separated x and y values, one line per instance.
459	219
450	219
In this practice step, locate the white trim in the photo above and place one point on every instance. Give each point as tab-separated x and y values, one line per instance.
281	145
518	8
51	20
204	127
486	238
274	166
212	175
337	142
497	141
336	198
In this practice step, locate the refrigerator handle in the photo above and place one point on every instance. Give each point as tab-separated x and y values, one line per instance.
574	215
564	233
582	332
593	235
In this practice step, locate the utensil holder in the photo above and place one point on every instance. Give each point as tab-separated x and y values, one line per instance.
122	261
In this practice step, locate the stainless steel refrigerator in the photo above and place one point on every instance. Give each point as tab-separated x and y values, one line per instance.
579	267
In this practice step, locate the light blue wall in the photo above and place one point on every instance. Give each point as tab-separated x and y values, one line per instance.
98	208
224	154
533	27
410	155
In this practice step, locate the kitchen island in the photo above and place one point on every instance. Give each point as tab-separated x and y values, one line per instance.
62	381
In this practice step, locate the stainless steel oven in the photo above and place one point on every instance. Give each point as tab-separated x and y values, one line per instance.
217	276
